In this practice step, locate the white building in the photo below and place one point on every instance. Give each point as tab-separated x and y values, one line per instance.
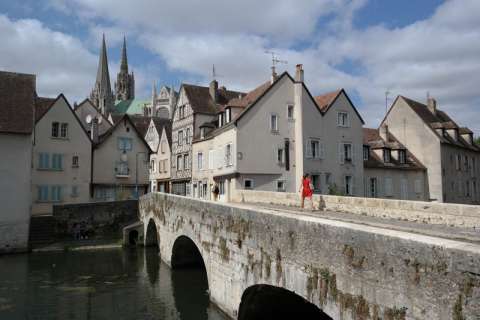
255	142
447	150
17	99
159	138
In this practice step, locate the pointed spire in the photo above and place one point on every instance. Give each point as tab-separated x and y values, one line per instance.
103	76
124	63
154	93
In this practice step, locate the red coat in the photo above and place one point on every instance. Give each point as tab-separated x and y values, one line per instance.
306	190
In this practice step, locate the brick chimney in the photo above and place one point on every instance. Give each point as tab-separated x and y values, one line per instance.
383	131
214	90
94	130
299	73
432	105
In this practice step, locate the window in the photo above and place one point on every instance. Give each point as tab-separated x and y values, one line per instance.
328	179
200	161
343	120
281	185
74	193
290	115
402	156
42	192
220	120
57	161
467	189
366	153
211	159
163	147
280	156
474	169
221	188
458	162
388	187
348	185
64	130
387	155
186	163
346	152
124	144
202	133
179	163
56	193
55	128
372	188
121	168
248	184
228	154
466	164
316	182
273	123
228	115
152	165
315	149
187	136
75	161
180	138
43	161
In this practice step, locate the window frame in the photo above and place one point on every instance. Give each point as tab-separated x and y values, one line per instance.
274	127
387	155
282	181
290	107
366	153
252	185
199	160
343	119
55	132
64	130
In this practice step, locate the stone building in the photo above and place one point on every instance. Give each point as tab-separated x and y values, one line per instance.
102	95
196	105
391	171
446	149
17	100
62	155
254	143
163	104
159	138
125	84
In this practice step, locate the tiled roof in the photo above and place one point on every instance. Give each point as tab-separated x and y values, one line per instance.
250	97
132	106
17	102
201	101
42	105
161	123
372	138
324	101
440	120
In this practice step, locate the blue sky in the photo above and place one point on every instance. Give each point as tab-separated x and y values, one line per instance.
365	46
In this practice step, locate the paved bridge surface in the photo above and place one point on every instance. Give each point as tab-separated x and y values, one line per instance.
262	258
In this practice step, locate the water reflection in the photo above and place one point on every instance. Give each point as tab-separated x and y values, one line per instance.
112	284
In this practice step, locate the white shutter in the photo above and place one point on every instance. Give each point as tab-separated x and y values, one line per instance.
352	188
353	153
341	156
322	150
388	187
219	158
308	147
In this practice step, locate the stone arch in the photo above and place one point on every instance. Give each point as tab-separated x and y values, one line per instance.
186	254
269	302
151	235
163	112
133	237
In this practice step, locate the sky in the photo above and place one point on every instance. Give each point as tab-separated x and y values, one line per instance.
368	47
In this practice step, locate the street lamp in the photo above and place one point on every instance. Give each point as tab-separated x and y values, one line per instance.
136	171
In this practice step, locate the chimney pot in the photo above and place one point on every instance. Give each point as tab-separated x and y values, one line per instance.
432	105
94	130
299	73
214	90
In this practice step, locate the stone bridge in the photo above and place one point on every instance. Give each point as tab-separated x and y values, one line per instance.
262	261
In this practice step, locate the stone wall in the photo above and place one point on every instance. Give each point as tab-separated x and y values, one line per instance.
350	271
99	220
458	215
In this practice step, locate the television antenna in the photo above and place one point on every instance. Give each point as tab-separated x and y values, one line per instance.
387	93
215	75
275	60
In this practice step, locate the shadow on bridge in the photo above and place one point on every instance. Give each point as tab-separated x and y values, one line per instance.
151	238
260	302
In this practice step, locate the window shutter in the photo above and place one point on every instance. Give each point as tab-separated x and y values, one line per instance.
219	158
40	161
348	119
309	148
341	155
60	161
352	187
322	150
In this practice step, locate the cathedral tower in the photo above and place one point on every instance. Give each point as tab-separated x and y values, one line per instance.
102	95
125	84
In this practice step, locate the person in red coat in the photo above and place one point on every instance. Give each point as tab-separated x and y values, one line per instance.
306	189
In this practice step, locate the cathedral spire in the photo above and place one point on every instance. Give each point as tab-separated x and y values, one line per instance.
124	63
102	95
125	84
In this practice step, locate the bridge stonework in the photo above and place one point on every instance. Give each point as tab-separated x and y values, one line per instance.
349	271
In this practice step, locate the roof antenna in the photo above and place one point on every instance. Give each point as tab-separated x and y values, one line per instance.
387	93
275	61
215	75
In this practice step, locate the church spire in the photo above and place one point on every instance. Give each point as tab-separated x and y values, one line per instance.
102	95
125	84
124	63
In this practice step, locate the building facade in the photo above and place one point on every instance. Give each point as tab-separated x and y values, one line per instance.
17	98
254	145
120	163
162	104
61	157
441	145
390	170
159	138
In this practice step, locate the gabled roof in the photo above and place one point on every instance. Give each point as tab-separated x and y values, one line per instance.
84	102
372	138
324	101
17	102
250	97
201	101
162	123
104	137
42	105
437	120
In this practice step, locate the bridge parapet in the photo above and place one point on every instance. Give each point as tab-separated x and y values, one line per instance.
349	271
458	215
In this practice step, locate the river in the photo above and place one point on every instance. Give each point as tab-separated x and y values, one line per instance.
103	284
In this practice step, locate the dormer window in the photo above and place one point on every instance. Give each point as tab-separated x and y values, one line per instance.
387	155
366	153
202	133
228	115
220	120
402	156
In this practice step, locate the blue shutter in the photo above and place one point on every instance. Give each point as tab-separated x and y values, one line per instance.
60	161
59	193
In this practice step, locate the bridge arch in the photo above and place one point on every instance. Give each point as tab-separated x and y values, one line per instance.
264	301
151	234
186	254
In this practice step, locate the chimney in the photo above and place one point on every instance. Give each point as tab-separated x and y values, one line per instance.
383	131
274	75
299	73
432	105
214	90
94	130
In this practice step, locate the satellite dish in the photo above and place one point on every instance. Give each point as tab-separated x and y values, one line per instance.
88	119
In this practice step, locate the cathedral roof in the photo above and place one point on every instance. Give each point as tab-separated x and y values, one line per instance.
132	106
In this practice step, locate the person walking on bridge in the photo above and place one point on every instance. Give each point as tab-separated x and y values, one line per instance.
306	190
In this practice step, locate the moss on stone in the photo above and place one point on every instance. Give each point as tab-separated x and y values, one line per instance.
224	251
457	313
